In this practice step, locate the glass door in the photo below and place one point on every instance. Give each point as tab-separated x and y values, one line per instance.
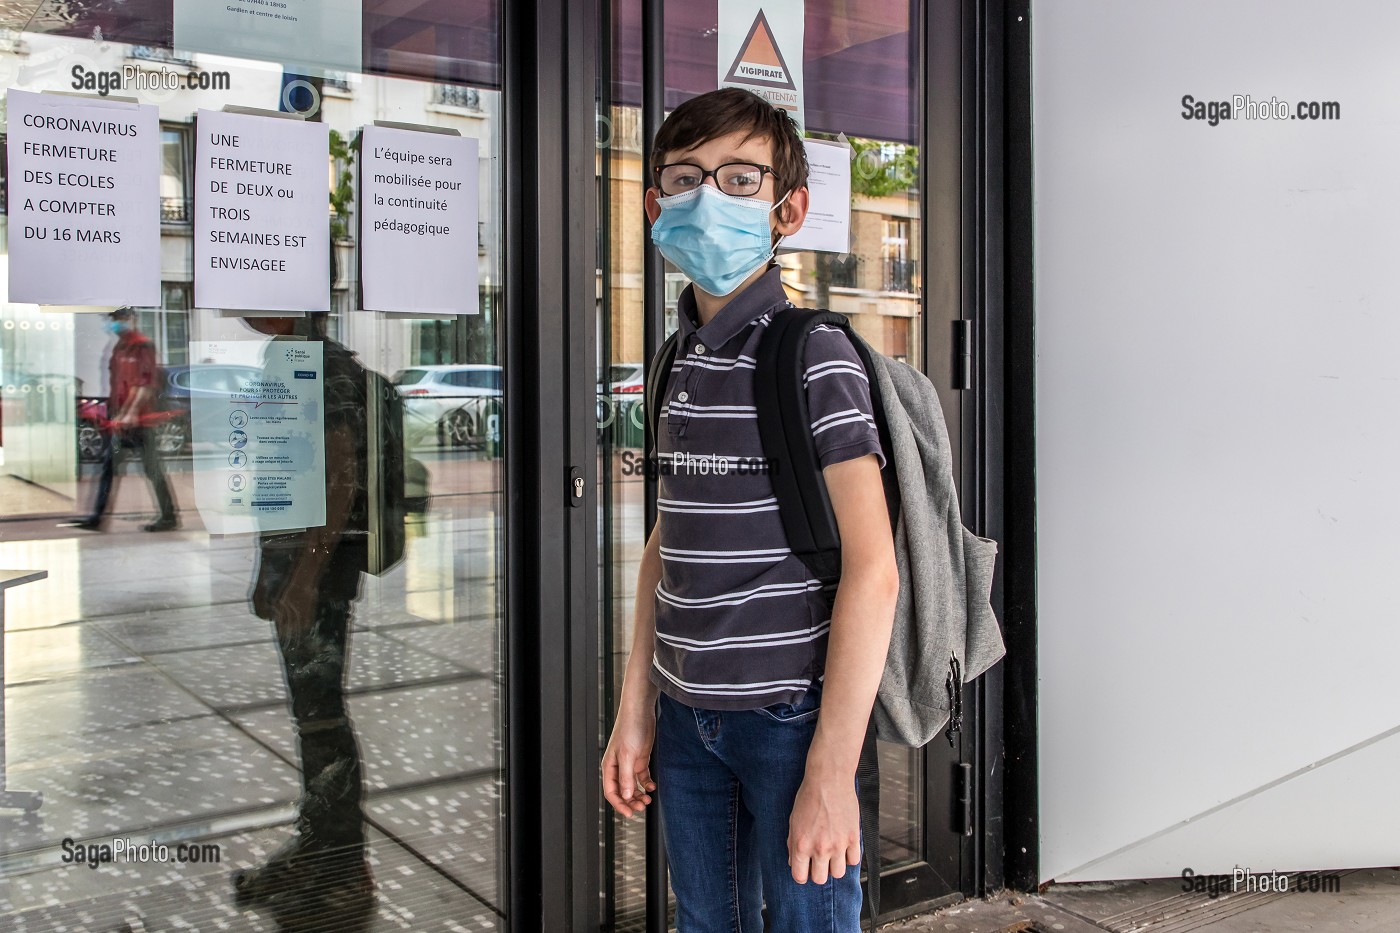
256	725
863	86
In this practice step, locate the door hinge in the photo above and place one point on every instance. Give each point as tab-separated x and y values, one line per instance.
962	341
965	799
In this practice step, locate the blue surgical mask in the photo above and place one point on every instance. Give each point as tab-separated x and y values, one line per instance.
716	239
118	327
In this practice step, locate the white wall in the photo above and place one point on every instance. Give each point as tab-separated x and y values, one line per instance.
1218	422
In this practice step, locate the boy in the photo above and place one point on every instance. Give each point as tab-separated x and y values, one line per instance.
752	682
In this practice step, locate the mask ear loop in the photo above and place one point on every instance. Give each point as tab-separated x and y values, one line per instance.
781	236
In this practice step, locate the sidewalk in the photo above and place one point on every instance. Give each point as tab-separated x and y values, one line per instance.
1368	902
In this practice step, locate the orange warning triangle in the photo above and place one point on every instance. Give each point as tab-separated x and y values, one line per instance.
761	49
760	61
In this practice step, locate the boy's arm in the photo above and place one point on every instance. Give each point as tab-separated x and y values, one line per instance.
627	780
825	826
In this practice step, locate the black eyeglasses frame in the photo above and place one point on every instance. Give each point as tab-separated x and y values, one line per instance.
712	173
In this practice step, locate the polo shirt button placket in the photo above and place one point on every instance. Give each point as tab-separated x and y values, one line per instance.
699	351
677	420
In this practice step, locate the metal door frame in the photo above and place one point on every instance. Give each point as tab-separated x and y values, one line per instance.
976	235
553	798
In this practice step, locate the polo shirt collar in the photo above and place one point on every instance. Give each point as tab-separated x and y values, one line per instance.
742	310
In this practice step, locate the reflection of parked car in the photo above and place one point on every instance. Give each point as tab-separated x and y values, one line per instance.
171	422
213	381
625	378
456	400
92	415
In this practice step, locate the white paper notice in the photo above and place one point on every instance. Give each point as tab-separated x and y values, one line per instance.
322	33
261	221
418	221
760	50
828	224
261	450
84	201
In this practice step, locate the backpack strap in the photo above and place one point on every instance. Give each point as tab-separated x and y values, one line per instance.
654	386
784	423
868	794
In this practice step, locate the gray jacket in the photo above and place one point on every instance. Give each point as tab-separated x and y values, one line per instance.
945	632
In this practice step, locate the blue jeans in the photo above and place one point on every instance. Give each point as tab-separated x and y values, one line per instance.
726	783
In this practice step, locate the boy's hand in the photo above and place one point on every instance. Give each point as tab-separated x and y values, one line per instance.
627	782
824	829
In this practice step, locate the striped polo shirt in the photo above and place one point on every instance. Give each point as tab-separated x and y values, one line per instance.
740	621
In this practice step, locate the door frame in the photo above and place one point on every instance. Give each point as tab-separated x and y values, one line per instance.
552	796
1013	393
998	431
976	240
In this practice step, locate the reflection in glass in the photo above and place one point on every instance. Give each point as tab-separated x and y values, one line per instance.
306	583
131	421
258	696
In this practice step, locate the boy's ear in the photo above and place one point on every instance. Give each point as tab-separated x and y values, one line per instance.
649	203
792	212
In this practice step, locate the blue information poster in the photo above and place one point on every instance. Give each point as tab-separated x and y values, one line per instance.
257	426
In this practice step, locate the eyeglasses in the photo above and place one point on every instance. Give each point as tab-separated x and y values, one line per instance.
740	179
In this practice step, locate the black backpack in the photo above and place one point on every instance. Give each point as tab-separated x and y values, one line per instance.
396	481
803	502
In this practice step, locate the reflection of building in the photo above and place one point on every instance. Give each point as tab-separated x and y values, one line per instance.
42	62
877	283
37	62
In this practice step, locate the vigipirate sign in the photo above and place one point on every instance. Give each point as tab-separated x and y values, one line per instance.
760	50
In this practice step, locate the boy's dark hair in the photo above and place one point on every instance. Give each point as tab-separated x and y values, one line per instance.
734	110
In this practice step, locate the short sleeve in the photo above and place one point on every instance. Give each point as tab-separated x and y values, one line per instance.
145	364
838	398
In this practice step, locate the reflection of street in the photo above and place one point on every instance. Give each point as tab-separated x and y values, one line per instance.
454	471
149	700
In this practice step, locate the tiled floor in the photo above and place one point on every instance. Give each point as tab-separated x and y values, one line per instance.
171	723
408	895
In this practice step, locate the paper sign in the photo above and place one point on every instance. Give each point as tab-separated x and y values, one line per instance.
315	33
828	224
258	434
418	239
760	50
84	201
262	214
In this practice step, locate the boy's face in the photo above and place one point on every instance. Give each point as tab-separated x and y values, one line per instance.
786	220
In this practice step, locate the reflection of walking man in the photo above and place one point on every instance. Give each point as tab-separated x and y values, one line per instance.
133	390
